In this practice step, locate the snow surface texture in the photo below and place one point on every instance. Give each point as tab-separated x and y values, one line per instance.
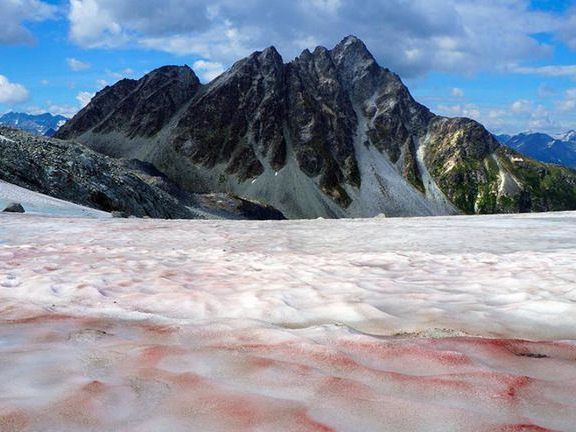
346	325
36	203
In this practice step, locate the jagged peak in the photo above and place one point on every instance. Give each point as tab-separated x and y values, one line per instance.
304	55
320	50
271	50
352	40
169	68
183	70
267	55
308	56
352	44
258	59
352	54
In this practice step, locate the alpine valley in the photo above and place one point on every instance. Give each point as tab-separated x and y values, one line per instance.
330	134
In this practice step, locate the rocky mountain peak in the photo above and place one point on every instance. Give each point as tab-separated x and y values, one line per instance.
352	54
138	108
270	55
330	134
352	44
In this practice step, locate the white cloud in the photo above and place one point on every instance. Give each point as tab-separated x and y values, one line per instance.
13	13
457	92
77	65
568	29
84	98
545	90
207	70
411	38
541	120
521	106
569	102
550	71
468	110
64	110
69	111
567	105
92	24
12	93
518	116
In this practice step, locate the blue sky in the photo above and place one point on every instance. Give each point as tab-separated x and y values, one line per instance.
511	64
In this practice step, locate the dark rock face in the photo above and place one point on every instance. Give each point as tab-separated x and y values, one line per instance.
330	134
14	208
232	207
72	172
136	108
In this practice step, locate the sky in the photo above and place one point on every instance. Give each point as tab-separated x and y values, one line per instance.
510	64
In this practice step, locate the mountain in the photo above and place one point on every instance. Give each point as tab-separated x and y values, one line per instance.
503	138
41	124
569	136
329	134
545	148
72	172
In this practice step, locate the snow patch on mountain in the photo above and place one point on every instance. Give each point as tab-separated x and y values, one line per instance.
6	139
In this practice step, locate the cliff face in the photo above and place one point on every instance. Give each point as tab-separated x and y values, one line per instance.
330	134
74	173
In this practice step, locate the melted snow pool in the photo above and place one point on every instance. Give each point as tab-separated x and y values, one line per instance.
439	324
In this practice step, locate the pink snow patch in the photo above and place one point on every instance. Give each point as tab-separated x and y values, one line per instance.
463	324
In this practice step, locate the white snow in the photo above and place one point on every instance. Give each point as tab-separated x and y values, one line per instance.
6	139
323	325
36	203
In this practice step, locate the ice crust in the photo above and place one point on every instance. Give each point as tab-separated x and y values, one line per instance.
423	324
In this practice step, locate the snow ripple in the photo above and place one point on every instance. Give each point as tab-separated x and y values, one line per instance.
348	325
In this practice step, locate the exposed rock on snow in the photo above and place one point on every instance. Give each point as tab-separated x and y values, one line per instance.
14	208
38	204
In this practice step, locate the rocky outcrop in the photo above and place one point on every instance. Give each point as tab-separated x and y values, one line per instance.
14	208
330	134
74	173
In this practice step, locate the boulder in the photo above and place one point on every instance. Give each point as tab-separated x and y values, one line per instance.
14	208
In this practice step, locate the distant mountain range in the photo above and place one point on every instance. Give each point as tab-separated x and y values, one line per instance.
330	134
39	124
559	149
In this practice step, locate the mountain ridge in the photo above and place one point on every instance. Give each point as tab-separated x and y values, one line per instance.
329	134
71	172
46	124
560	149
